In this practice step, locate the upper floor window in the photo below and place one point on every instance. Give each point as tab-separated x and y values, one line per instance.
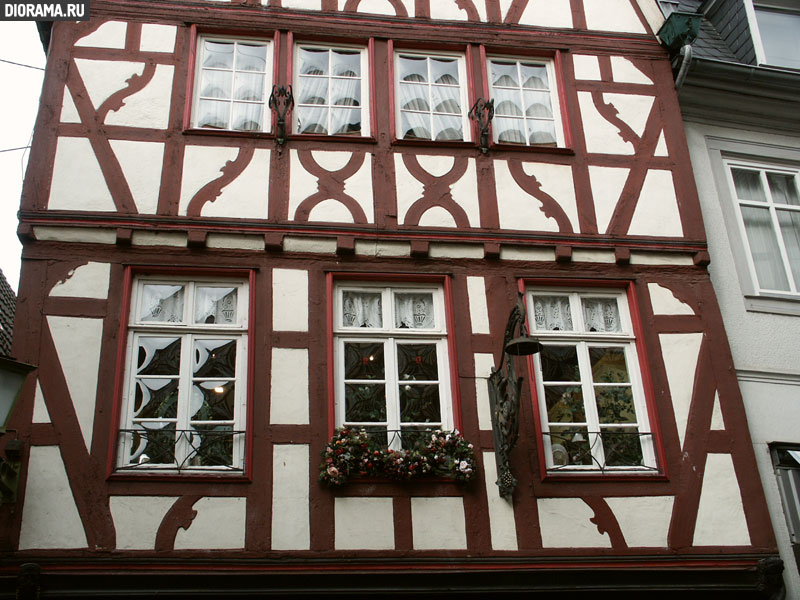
392	369
778	24
592	408
331	91
431	97
768	199
786	459
526	109
232	84
184	399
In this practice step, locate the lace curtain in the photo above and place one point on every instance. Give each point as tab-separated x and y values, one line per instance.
215	305
162	304
328	92
413	311
362	309
429	97
601	314
552	313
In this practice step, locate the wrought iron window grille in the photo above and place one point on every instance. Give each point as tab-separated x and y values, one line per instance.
281	101
207	450
622	450
482	112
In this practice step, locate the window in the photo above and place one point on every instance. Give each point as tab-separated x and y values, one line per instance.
331	90
431	97
185	385
591	400
392	364
232	84
786	458
768	201
778	24
525	106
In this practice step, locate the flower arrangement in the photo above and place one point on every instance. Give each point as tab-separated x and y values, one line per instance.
351	452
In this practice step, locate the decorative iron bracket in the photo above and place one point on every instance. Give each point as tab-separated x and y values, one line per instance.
9	471
281	101
483	112
504	395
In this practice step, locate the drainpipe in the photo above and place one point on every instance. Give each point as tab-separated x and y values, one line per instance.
686	53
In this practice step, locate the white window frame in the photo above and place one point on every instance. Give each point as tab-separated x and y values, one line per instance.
463	85
391	336
364	99
751	7
188	332
583	340
268	81
763	168
558	126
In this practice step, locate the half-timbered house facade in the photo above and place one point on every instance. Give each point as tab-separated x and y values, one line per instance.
249	225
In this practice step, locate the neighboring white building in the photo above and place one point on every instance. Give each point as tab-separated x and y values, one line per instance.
740	99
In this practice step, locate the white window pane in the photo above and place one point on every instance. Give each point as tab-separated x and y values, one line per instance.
412	68
446	99
312	90
783	189
247	116
552	313
218	55
764	248
346	92
778	31
601	314
534	76
504	74
213	114
447	128
790	230
414	311
162	303
507	103
312	120
156	356
509	131
541	132
537	104
345	121
346	63
748	185
249	86
444	71
413	97
212	401
415	126
251	57
215	84
362	309
313	61
215	305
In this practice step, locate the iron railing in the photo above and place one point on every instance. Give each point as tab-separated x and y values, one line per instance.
181	449
606	450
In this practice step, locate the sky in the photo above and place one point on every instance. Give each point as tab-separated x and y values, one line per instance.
19	103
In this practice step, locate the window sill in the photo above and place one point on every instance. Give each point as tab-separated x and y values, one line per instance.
598	476
229	133
775	304
185	477
436	144
530	149
316	137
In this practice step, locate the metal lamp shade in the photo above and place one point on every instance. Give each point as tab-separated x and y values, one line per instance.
523	346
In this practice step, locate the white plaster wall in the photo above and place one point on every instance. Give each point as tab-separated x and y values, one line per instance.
644	520
149	107
289	386
86	281
382	248
661	258
174	239
527	254
478	311
80	368
607	184
141	164
587	67
565	523
201	164
720	515
290	300
158	38
438	523
593	256
375	7
483	368
40	414
601	136
290	505
657	210
137	519
78	183
624	71
612	15
519	210
680	352
311	245
546	13
50	518
364	524
502	523
109	35
448	250
233	240
104	77
219	524
69	113
665	303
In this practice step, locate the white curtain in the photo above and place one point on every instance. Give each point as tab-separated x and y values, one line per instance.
552	313
162	303
414	311
362	309
328	92
215	305
601	314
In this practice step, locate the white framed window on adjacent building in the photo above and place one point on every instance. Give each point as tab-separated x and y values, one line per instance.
184	397
391	361
767	200
331	90
431	96
526	105
591	402
233	79
775	32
